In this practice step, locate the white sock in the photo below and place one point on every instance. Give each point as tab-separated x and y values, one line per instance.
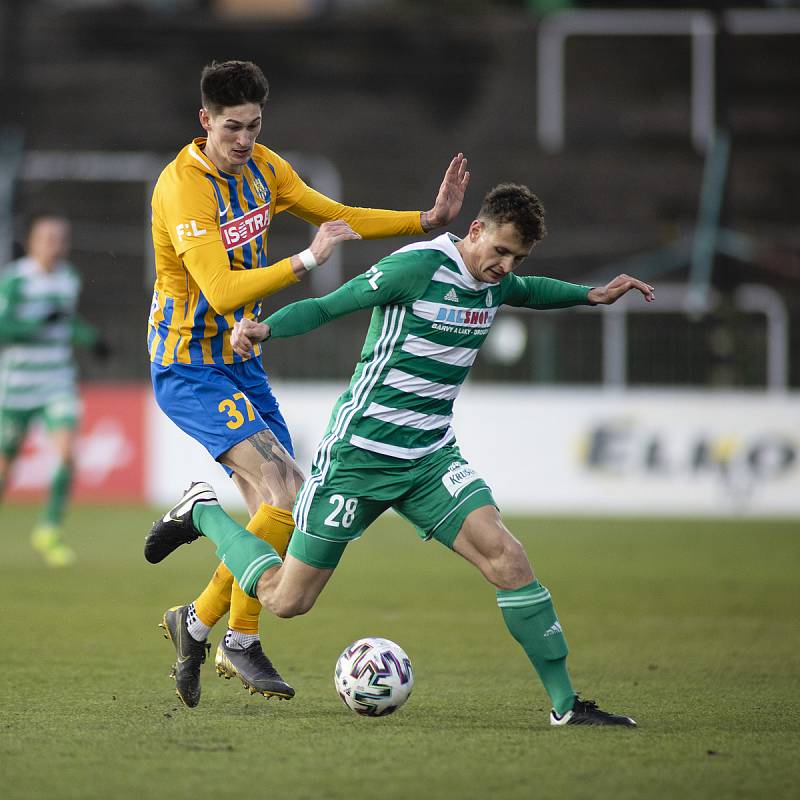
239	641
198	630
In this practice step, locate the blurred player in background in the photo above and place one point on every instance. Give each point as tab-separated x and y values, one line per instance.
212	210
39	328
390	441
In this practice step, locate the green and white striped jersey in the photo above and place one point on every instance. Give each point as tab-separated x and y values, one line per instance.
430	318
36	355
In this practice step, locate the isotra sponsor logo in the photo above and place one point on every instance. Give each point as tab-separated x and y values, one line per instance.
244	229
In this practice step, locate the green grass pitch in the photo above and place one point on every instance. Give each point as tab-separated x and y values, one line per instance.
689	626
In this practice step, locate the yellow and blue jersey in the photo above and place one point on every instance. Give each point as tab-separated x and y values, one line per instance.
210	228
195	204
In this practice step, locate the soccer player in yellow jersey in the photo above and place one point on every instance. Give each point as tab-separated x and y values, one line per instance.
212	210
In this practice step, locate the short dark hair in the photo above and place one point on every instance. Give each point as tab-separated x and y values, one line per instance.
232	83
512	202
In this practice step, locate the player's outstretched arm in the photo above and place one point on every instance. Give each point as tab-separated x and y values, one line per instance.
450	196
296	318
310	313
613	290
398	278
227	290
535	291
375	223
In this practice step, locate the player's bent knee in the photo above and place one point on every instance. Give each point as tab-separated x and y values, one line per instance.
286	608
282	601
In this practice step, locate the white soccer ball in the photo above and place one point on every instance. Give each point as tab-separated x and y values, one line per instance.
373	676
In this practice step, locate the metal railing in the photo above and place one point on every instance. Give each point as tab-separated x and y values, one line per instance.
700	26
672	298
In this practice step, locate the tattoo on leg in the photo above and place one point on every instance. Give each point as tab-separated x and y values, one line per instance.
273	452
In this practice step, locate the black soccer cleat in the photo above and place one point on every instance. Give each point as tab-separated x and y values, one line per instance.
191	655
176	527
254	669
586	712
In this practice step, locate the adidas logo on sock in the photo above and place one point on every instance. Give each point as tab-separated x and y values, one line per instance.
553	629
451	296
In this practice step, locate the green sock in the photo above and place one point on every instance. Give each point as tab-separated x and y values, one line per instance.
59	494
245	555
531	619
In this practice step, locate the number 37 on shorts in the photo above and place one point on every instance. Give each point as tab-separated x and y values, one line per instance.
236	407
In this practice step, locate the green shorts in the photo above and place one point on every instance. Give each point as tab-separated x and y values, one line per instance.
58	413
339	501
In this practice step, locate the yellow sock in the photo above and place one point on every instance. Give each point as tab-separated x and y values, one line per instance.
273	525
215	600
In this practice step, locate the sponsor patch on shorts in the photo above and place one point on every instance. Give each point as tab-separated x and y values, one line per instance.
458	476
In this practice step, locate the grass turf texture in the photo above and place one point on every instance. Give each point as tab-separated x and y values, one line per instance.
690	626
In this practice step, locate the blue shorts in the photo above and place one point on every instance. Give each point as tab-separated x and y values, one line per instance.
219	405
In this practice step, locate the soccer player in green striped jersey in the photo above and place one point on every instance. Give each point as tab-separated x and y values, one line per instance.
390	441
39	328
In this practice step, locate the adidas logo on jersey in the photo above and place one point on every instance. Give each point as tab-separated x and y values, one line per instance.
452	297
553	629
